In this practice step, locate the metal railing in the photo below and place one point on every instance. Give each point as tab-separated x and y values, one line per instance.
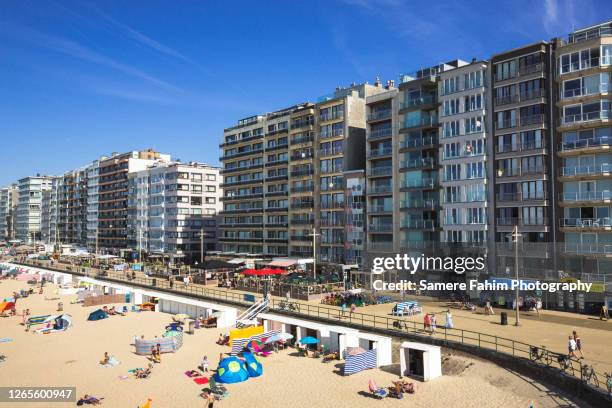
395	326
586	143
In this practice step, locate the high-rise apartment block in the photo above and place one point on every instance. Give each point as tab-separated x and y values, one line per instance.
283	176
28	215
8	205
173	209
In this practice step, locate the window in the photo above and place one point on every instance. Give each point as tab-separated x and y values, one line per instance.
196	200
506	70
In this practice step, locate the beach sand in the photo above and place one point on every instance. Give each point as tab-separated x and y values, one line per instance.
71	358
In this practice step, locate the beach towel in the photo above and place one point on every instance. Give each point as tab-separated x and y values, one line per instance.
112	362
5	340
133	370
200	380
192	374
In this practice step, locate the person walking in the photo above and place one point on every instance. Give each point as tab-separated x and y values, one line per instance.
578	343
204	364
571	347
426	322
343	307
433	323
449	319
353	307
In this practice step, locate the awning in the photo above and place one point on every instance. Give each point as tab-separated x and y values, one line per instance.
215	264
282	263
237	261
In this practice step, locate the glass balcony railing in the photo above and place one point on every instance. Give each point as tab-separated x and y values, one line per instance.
519	196
511	221
572	171
605	195
380	133
380	189
428	141
380	227
585	117
595	223
420	183
380	208
577	92
378	152
379	114
426	162
586	143
424	100
427	121
589	34
420	224
380	171
419	203
588	248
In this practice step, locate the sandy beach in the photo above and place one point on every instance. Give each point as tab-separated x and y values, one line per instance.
71	358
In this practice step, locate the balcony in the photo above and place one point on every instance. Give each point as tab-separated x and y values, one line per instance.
422	163
331	151
604	223
427	142
337	115
330	222
301	173
380	171
302	156
518	197
236	154
598	143
276	208
427	121
277	146
301	139
461	155
375	153
245	139
520	147
590	34
332	133
329	205
303	204
521	172
381	114
520	97
420	224
380	134
375	208
380	227
301	238
425	100
301	189
302	124
276	163
588	248
587	196
532	120
381	189
579	92
571	120
302	221
424	183
512	221
429	204
585	171
380	246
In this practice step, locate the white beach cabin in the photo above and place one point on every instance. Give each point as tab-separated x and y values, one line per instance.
420	360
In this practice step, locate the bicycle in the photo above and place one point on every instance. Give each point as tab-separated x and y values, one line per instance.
564	362
540	354
609	383
289	306
589	375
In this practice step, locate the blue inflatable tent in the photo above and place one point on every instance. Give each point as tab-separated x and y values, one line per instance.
97	315
253	365
231	370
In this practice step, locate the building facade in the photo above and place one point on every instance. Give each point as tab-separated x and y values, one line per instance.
173	209
8	206
28	214
283	177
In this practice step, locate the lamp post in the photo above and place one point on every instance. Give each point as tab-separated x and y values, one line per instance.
314	236
515	237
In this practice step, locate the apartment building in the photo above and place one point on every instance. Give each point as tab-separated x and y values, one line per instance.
92	174
72	207
584	137
112	186
28	214
173	208
49	213
463	153
355	228
287	167
8	204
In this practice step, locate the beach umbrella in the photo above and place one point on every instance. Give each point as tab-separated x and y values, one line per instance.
286	336
231	370
253	343
253	365
273	339
309	340
354	351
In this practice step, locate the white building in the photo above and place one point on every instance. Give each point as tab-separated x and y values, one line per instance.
29	207
463	174
170	205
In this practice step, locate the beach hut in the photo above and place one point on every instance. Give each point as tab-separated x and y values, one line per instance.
98	315
253	365
231	370
420	360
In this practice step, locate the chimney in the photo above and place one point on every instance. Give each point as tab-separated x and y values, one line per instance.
473	60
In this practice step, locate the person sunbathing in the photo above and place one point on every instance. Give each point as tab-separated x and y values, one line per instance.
89	400
106	359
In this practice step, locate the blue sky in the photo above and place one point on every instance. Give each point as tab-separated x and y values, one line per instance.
82	79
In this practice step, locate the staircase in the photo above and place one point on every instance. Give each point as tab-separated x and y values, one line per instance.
251	313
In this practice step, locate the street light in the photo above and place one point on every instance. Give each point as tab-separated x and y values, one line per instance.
515	237
314	236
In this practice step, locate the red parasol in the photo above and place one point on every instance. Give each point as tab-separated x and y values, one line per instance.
264	272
